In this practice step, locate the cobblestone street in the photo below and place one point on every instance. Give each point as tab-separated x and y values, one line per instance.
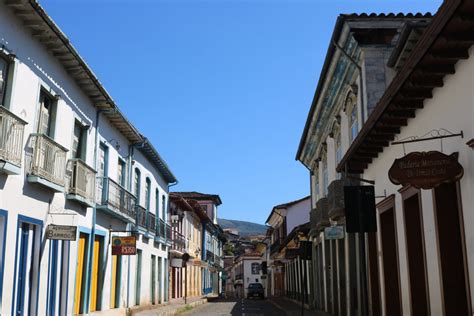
233	307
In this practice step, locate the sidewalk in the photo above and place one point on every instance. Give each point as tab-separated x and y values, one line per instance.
293	309
172	308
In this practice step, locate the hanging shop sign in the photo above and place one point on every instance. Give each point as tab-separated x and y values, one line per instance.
61	232
334	232
426	170
126	245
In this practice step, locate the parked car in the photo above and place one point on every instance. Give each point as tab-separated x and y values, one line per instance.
255	290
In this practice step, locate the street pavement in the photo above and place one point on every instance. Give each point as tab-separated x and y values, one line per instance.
236	307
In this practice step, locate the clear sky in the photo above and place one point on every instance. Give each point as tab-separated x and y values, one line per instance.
221	87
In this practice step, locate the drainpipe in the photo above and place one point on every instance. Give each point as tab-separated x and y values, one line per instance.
94	209
131	152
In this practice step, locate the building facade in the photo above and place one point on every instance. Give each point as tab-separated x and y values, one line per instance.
421	257
286	268
359	66
69	157
212	240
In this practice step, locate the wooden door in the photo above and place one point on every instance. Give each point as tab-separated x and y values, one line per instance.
96	274
455	288
80	272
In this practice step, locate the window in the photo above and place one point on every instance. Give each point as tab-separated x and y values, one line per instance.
325	174
147	193
255	268
46	114
78	141
351	109
3	79
121	172
337	146
157	202
136	185
163	207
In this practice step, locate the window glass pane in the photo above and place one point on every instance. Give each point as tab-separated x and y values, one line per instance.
3	78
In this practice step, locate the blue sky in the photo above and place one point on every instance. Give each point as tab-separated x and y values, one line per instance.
221	87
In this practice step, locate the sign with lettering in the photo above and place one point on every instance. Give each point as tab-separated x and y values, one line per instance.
426	170
61	232
334	232
124	246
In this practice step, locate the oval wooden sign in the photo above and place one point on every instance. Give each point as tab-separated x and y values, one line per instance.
426	170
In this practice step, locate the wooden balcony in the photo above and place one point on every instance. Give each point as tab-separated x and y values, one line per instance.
114	199
81	187
48	162
178	242
11	141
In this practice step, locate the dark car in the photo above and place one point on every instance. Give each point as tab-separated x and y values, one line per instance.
255	290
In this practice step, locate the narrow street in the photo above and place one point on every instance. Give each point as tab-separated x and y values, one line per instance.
237	307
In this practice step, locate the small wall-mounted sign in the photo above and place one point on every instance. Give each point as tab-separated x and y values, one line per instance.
124	245
176	263
334	232
426	170
61	232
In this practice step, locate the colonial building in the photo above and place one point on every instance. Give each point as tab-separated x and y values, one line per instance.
364	55
247	269
418	144
186	216
69	157
285	270
212	241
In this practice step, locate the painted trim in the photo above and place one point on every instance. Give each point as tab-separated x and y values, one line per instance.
37	222
84	230
3	213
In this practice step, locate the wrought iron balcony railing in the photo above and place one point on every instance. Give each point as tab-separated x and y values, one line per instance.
141	216
151	223
11	137
48	160
115	198
178	242
210	257
275	247
82	180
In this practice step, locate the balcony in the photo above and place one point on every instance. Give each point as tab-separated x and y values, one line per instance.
81	187
336	200
141	217
319	218
151	223
275	247
178	242
11	142
48	162
115	200
210	257
163	233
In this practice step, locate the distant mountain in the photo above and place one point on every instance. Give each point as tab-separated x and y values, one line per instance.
244	228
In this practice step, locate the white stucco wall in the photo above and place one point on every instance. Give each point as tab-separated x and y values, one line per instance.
34	68
298	214
451	108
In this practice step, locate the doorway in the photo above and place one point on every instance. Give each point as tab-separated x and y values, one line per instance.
390	258
81	267
26	268
451	247
415	252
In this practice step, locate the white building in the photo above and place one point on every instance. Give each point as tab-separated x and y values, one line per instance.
246	270
68	156
359	66
421	260
285	271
